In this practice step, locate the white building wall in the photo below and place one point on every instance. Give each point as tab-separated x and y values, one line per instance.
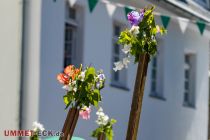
51	108
161	120
10	58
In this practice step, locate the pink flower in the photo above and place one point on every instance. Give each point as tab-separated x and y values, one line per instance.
85	113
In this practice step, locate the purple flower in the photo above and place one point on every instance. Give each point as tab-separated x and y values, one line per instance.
135	17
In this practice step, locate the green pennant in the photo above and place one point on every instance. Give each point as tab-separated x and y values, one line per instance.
165	20
127	10
92	4
201	26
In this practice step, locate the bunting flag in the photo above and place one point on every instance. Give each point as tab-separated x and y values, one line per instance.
201	26
92	4
72	2
165	20
110	8
183	22
127	10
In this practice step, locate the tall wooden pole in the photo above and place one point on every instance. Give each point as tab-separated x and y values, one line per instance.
70	124
138	94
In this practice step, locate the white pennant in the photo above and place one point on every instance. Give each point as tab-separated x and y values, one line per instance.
183	22
110	8
72	2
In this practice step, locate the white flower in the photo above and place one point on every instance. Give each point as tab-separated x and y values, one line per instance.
101	77
38	126
74	83
134	30
126	61
100	113
118	66
82	75
126	49
106	118
66	87
75	89
100	109
103	119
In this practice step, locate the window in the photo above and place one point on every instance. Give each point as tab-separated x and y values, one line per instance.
119	77
204	3
156	89
154	76
73	32
189	80
70	43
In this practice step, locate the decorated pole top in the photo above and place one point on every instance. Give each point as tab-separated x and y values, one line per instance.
140	38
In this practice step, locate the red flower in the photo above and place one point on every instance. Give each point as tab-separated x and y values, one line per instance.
69	70
63	79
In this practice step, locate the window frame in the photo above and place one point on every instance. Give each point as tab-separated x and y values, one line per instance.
122	82
78	24
205	5
158	67
191	68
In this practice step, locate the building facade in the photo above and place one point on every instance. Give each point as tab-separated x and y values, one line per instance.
56	33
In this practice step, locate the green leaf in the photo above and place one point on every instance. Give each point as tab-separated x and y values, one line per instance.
66	99
89	75
113	121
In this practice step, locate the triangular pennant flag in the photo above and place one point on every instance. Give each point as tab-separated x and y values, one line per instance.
110	8
165	20
92	4
183	22
201	26
72	2
127	10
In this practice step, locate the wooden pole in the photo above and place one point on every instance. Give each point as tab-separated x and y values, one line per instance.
102	136
70	124
136	106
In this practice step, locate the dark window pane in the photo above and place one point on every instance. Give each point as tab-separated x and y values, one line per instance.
186	85
153	86
116	59
154	62
186	97
72	13
68	49
67	61
154	74
116	76
116	30
187	59
187	74
69	34
116	49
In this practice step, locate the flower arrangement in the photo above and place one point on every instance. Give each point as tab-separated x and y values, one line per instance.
105	126
141	38
82	87
82	90
38	127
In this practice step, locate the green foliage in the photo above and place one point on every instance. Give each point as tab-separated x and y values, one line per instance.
34	137
105	129
86	93
145	40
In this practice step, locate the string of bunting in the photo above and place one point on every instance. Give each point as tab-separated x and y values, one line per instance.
111	7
